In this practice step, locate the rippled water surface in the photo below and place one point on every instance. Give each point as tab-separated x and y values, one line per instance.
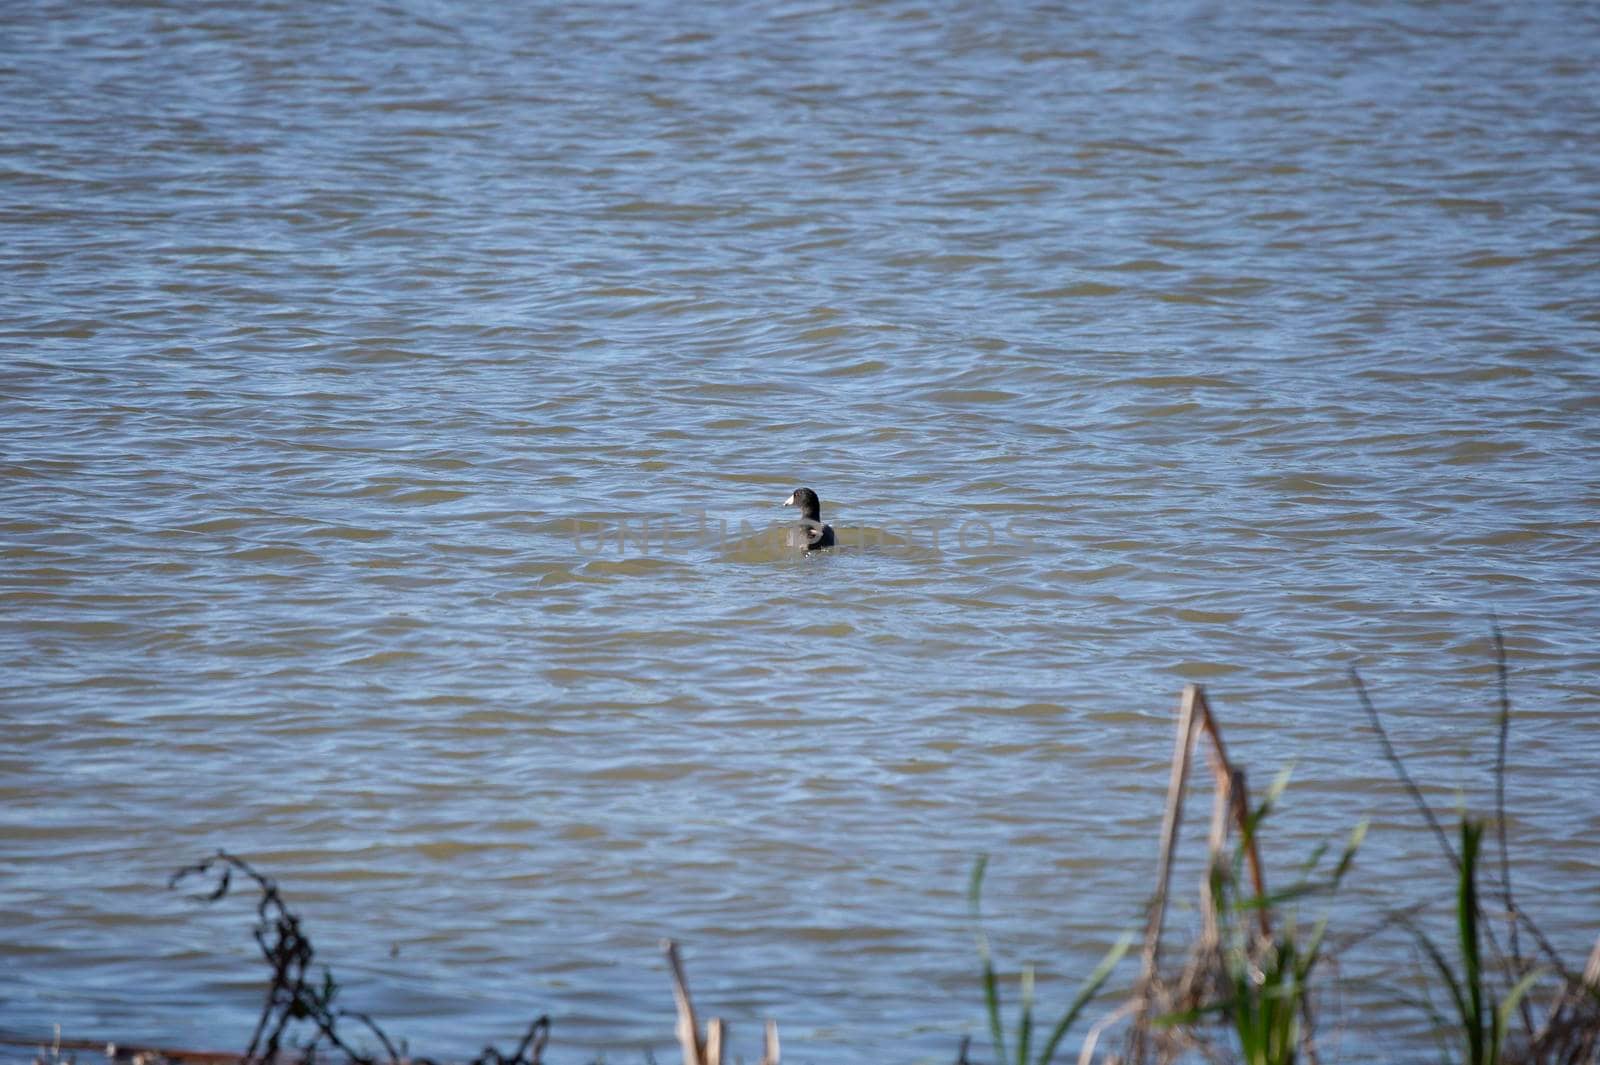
348	349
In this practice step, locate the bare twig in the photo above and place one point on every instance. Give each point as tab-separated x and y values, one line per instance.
1400	769
529	1052
291	997
1525	1008
1571	1031
1086	1054
289	953
372	1026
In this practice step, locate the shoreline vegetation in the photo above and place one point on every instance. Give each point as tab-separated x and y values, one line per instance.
1246	989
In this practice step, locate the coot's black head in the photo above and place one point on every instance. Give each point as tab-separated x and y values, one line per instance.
810	506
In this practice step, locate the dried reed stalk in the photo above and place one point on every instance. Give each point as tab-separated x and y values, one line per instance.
1153	997
713	1047
769	1043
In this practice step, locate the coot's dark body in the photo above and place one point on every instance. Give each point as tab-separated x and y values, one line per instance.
811	533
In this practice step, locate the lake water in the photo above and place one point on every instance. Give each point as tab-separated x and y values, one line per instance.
348	348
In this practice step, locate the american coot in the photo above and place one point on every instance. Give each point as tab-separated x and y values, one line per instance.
811	533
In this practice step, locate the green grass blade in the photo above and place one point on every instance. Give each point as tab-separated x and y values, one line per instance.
1357	836
1313	948
1090	988
1467	929
1025	1023
974	897
1450	981
1502	1015
991	1003
1309	866
1275	899
991	983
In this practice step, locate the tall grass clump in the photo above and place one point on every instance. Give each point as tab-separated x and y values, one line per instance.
1247	988
1264	991
1244	990
1482	1023
1503	1006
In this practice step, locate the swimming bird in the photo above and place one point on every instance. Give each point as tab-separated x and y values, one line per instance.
811	533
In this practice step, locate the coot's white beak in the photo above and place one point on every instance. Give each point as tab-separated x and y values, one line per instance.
790	501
